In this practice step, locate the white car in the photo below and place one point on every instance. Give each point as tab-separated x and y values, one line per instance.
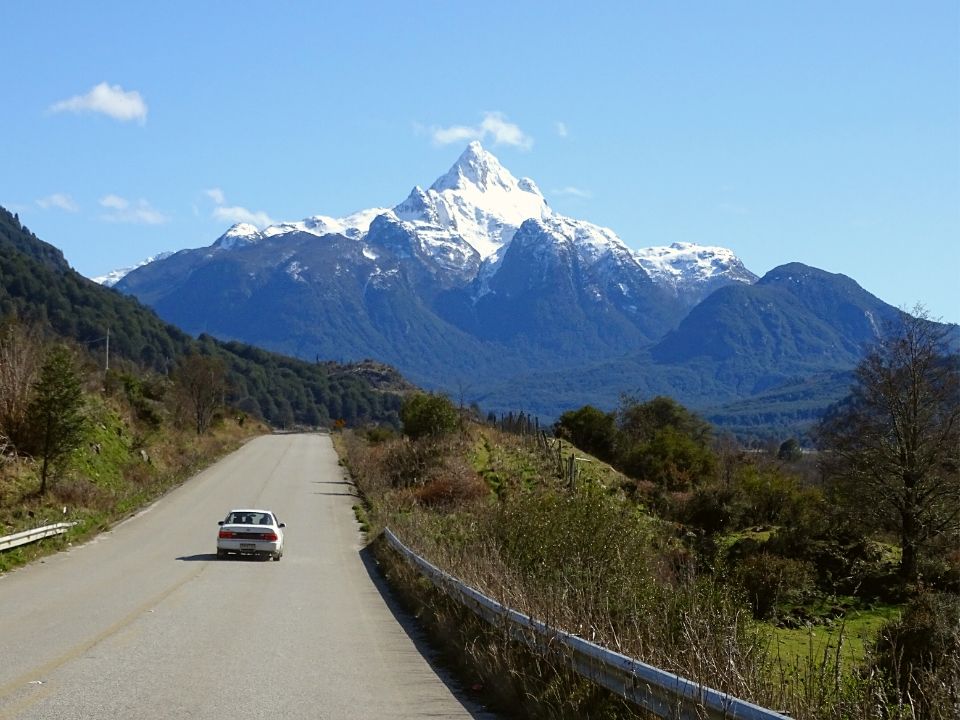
250	532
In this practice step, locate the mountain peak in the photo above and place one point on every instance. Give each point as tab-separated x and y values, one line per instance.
240	233
478	201
477	168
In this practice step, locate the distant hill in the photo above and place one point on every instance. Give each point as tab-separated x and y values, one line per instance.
761	361
37	285
795	315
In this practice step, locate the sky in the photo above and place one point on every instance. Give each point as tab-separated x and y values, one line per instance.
826	133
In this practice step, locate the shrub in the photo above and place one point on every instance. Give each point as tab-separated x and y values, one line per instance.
590	429
767	491
79	492
919	654
585	543
379	434
450	485
712	508
407	463
790	451
770	580
428	415
671	459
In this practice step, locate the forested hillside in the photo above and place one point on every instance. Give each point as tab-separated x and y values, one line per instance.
37	286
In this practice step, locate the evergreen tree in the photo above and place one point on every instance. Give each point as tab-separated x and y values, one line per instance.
56	411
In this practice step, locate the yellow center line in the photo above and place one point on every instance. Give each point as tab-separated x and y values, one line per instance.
46	669
11	711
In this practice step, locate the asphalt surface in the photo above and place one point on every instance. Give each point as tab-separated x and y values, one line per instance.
144	622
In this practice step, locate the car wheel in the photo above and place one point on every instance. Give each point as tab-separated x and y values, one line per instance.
221	554
277	556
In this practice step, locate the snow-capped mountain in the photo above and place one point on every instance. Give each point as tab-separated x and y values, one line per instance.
693	271
115	276
462	223
475	271
353	226
477	201
476	282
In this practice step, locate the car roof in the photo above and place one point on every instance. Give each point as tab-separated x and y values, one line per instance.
250	510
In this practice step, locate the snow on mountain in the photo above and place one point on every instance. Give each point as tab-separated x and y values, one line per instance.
479	206
480	203
477	200
353	226
683	264
592	241
464	220
115	276
238	235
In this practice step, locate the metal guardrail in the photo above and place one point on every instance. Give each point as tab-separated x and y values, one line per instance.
29	536
658	691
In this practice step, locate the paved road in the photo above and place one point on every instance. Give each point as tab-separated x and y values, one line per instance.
144	622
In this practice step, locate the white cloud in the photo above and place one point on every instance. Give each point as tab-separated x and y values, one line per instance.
561	129
114	202
110	100
572	191
456	134
494	127
123	211
61	201
216	194
236	214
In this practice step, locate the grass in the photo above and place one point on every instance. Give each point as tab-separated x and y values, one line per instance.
361	514
503	460
758	534
504	464
847	637
106	449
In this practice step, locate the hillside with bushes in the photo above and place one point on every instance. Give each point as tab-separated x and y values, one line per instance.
90	449
798	581
38	287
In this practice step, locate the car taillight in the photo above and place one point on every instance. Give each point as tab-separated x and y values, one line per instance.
270	537
226	534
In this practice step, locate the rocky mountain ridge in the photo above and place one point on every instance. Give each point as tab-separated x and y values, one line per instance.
476	286
465	219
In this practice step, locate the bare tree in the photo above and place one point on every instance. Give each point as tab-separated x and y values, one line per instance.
893	448
21	353
201	382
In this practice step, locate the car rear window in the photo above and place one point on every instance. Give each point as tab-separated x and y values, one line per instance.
249	518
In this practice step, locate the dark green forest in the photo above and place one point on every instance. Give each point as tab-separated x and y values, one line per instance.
38	287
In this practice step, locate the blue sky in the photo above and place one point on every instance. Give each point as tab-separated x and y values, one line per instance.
821	132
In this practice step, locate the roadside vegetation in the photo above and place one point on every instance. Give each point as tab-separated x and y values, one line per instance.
84	446
824	585
103	406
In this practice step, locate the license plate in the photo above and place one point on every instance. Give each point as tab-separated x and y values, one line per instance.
247	546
